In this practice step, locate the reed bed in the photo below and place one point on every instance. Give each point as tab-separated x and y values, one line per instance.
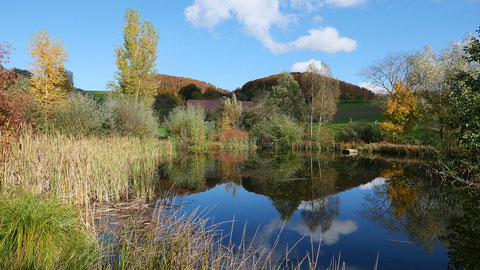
84	170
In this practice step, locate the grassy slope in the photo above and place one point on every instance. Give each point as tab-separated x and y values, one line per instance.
354	104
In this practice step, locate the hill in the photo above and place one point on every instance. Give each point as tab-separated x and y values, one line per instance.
173	84
347	91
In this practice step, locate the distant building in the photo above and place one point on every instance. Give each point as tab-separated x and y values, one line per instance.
213	105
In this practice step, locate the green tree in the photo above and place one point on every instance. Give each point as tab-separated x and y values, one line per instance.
430	75
136	57
464	100
286	97
191	91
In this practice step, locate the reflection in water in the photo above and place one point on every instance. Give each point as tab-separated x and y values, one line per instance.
306	193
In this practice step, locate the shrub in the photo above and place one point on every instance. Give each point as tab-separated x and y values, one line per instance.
16	109
187	124
37	233
132	118
81	115
277	132
361	131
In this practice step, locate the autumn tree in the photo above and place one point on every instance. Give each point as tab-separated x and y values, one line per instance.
286	97
322	95
136	57
48	71
401	111
7	76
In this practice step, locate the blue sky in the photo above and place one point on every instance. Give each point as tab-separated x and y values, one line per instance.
229	42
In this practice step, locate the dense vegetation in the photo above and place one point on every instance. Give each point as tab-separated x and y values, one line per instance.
62	147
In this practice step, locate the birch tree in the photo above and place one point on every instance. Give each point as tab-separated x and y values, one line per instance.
323	93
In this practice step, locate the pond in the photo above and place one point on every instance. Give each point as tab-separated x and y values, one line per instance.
353	207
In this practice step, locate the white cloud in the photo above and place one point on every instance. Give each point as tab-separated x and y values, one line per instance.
325	39
302	66
372	87
376	182
259	16
332	235
317	19
256	16
345	3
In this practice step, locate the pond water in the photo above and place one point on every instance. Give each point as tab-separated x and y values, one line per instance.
356	206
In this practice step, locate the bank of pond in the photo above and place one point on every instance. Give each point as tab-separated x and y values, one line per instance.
143	204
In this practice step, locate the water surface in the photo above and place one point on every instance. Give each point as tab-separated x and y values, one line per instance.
356	206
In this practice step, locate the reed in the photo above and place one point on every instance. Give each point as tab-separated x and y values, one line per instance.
84	170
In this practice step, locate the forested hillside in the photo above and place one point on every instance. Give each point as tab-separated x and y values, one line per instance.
173	84
347	91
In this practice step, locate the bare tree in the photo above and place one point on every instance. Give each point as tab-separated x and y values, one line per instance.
386	72
322	95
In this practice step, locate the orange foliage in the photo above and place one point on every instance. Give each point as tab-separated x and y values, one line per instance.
173	84
347	91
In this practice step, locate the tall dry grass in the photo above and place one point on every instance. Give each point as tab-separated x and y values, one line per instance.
84	170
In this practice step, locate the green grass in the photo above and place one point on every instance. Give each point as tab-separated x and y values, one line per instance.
39	233
100	95
162	131
365	118
354	104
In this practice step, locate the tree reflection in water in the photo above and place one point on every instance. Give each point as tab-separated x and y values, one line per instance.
431	214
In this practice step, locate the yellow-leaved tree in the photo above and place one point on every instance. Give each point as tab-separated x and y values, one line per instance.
135	59
50	82
401	111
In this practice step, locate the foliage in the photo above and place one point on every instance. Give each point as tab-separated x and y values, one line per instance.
48	71
173	84
6	76
464	113
187	124
39	233
431	75
165	102
80	114
278	132
16	110
191	91
253	89
401	111
286	97
231	113
131	118
136	57
322	96
361	131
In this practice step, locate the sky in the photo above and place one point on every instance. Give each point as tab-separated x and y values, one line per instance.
230	42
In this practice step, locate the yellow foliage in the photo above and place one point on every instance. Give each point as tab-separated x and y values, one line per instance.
48	70
401	111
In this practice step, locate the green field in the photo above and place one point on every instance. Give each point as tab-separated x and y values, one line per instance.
364	118
354	104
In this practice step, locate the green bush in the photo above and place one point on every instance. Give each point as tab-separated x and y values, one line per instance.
132	118
187	125
81	114
277	132
38	233
361	131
